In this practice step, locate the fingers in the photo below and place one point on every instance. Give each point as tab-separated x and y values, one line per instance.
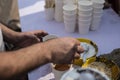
34	38
76	56
77	42
40	33
80	49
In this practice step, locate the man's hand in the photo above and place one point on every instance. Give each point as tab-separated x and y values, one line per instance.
28	38
63	50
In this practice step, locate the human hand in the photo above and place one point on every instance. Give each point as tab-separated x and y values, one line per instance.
25	39
63	50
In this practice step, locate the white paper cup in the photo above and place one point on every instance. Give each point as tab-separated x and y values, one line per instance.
85	4
85	12
98	1
83	28
87	21
70	12
84	17
58	73
70	2
95	26
69	19
74	16
58	16
98	10
70	9
58	1
59	11
96	17
70	26
95	23
97	13
98	5
49	13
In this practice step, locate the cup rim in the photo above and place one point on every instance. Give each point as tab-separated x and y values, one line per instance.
97	11
97	16
98	7
85	3
69	7
68	13
84	15
98	1
80	9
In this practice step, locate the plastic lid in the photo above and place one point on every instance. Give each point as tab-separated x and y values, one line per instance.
69	7
85	3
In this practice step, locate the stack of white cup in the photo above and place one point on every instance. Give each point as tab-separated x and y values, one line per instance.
70	2
69	15
85	16
59	10
97	13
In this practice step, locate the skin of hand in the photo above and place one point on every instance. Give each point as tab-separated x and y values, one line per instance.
22	39
64	50
29	38
19	62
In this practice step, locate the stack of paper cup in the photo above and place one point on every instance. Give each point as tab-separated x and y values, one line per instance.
70	2
69	16
59	10
85	16
49	13
97	13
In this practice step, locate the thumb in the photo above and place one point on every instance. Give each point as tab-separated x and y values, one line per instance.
34	37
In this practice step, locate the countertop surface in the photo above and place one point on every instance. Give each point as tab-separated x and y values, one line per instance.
32	17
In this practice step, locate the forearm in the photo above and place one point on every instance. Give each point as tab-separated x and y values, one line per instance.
13	64
8	34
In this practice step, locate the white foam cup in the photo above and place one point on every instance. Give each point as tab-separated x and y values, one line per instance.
69	18
66	16
97	13
85	12
70	9
95	23
83	28
85	4
58	10
70	12
70	25
84	17
88	21
49	13
98	3
98	10
70	2
58	73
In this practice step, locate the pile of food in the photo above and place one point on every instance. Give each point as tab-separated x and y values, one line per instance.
62	67
101	67
114	56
